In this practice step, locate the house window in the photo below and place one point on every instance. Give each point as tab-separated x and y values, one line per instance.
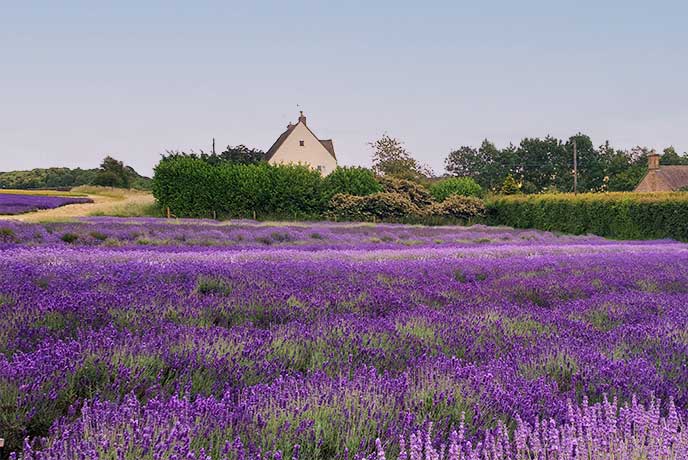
321	168
302	143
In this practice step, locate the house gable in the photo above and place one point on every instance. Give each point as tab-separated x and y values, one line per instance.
298	144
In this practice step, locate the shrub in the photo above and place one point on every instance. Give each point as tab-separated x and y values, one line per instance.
510	186
416	193
350	181
457	207
464	186
69	237
191	187
392	207
616	215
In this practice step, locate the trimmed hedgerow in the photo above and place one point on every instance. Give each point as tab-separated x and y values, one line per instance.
463	186
614	215
190	187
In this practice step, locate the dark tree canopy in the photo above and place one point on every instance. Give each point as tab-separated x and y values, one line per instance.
546	164
112	173
237	155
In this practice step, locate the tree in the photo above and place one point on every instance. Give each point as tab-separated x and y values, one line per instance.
242	155
112	173
463	162
510	186
545	163
672	157
390	158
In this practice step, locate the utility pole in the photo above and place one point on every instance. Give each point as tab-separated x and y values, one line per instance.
575	168
213	146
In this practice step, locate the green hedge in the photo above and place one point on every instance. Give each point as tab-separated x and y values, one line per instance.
352	180
464	186
190	187
614	215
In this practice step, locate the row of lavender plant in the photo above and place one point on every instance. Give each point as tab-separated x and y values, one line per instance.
134	352
12	204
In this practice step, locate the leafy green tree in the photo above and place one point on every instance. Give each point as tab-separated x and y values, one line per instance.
464	162
390	158
241	155
112	173
544	162
672	157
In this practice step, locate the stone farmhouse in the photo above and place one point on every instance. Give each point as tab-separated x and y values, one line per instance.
298	144
662	178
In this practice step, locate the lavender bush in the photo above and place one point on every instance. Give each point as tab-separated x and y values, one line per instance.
11	204
145	339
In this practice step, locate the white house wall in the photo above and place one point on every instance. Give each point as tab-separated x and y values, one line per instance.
312	153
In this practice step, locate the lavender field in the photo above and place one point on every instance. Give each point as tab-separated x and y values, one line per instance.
12	204
145	339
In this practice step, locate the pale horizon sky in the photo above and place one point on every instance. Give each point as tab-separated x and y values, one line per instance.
131	79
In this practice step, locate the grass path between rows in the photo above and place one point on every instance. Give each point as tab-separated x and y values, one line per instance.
121	202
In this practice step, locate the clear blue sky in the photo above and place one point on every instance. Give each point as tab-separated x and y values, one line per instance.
79	80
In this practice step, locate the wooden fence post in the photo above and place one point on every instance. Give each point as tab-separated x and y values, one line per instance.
254	214
168	212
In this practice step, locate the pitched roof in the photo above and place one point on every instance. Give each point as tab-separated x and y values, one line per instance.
329	146
665	179
675	177
327	143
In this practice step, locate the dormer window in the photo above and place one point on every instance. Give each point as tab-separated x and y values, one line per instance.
302	143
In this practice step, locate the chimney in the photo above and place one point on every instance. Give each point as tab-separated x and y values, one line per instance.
302	118
653	161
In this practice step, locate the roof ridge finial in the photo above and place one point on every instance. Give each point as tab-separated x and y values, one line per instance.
302	117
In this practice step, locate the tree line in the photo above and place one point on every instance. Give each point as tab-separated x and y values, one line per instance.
535	165
111	173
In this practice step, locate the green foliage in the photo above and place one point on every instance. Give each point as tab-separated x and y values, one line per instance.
112	173
69	237
385	206
191	187
464	186
510	186
416	193
237	155
672	157
546	164
350	181
64	178
615	215
457	207
390	158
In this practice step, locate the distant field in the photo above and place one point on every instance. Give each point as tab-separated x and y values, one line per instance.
42	192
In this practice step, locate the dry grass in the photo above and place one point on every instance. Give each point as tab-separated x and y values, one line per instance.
73	192
106	202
